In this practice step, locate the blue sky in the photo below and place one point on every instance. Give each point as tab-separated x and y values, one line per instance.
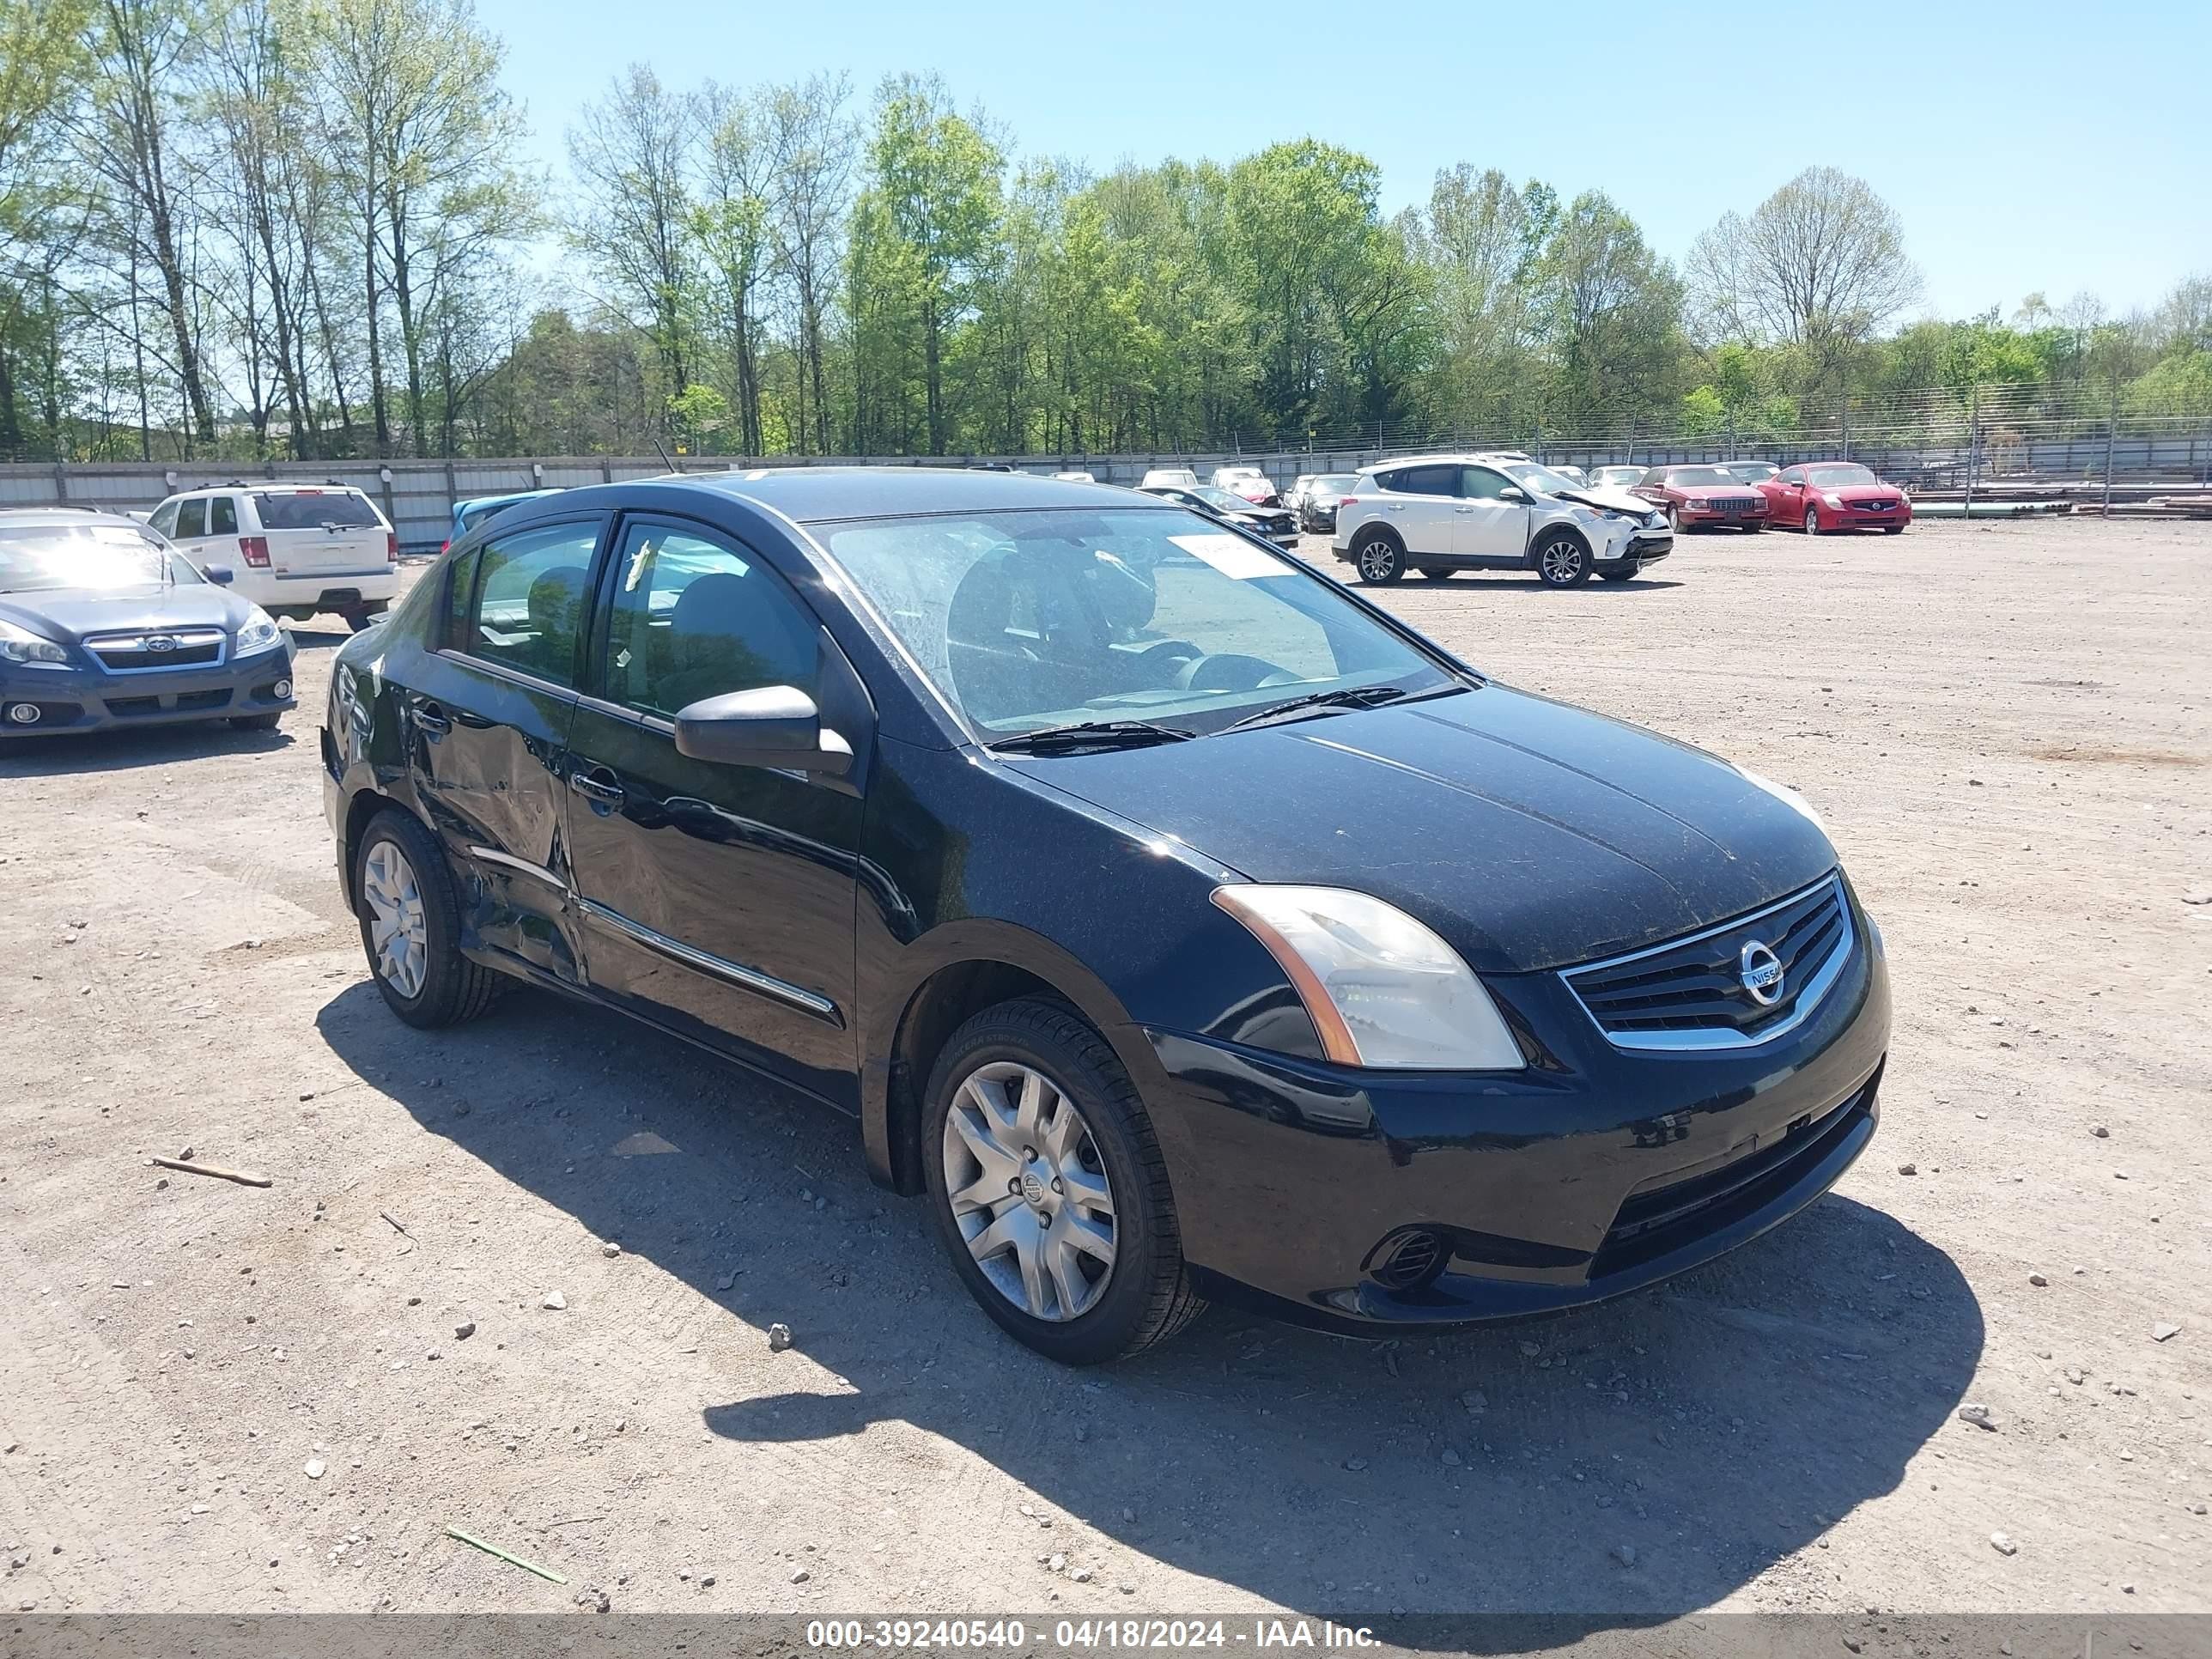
2027	145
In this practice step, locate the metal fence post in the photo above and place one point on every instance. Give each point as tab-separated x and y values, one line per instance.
1973	425
2112	435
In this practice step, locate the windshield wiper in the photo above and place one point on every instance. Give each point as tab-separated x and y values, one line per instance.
1353	696
1092	734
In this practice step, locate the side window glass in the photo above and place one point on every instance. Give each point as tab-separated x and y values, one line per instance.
1793	477
1480	484
461	582
191	519
693	617
529	606
1391	482
222	516
165	518
1431	480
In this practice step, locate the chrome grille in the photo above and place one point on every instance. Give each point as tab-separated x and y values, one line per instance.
1692	993
154	649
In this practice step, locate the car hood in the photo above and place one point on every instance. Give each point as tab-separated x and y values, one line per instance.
67	614
1618	500
1530	834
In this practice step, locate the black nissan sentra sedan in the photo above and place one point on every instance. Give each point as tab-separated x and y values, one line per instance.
1178	925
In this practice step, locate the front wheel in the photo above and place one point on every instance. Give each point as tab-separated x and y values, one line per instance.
1380	560
1563	562
1436	572
410	926
1048	1187
256	722
1812	520
1754	525
1626	573
1893	530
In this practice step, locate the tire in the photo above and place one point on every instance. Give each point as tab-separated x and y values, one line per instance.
1812	520
1379	559
1755	527
1893	530
358	619
1562	560
451	988
1143	1295
1627	572
1436	572
256	722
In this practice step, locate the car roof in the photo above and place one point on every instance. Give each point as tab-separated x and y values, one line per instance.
813	495
31	515
468	501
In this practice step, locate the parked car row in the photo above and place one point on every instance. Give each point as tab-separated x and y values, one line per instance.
1818	497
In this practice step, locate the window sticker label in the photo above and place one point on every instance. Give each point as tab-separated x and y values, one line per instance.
1232	555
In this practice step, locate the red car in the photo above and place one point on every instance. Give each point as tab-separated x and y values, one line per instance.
1824	497
1693	497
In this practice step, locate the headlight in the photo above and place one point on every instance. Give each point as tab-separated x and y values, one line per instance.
20	645
1833	500
1698	507
257	633
1783	793
1383	990
1653	521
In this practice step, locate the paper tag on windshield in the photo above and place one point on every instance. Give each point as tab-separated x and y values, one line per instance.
1232	555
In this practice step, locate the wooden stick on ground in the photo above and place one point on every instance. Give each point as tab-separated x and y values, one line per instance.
546	1573
243	1177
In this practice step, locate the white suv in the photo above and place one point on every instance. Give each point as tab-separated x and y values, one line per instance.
1439	514
296	550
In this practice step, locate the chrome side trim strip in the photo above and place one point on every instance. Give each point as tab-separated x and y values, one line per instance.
1723	1038
523	866
749	979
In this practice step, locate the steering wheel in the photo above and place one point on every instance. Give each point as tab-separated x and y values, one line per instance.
1168	650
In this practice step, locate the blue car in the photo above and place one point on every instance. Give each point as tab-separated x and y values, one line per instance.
468	514
104	624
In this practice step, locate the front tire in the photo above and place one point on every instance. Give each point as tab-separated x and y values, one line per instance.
1755	527
1627	572
1379	560
1812	520
1436	572
1562	560
410	926
256	722
1049	1188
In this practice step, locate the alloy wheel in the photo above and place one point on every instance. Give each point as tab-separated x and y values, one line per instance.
398	934
1563	562
1029	1191
1812	521
1376	561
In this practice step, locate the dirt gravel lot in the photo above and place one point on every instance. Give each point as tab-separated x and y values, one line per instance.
220	1398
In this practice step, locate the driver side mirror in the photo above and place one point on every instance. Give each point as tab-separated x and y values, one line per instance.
773	726
221	575
1513	493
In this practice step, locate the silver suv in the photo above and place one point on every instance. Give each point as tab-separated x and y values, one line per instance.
1440	514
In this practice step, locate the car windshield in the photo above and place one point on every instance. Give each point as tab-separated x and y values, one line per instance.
1024	621
312	509
1541	479
1224	499
1753	471
1619	475
1699	477
1836	477
36	558
1335	483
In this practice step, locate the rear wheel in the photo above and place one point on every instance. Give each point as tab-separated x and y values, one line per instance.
1562	560
1049	1188
410	926
1379	558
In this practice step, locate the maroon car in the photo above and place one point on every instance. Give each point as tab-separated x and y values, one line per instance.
1830	495
1695	497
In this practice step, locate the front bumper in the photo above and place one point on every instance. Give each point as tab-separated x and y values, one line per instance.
72	699
1686	519
1300	1186
1852	516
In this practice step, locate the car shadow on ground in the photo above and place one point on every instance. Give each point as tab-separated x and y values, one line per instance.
120	752
1619	1466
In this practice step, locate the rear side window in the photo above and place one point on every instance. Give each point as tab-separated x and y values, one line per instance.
222	516
1421	481
191	519
528	609
314	509
696	617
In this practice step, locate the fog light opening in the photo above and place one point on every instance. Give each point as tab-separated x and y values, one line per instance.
1409	1261
24	713
282	689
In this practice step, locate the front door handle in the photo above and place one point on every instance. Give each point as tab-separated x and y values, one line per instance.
1462	509
432	718
596	789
